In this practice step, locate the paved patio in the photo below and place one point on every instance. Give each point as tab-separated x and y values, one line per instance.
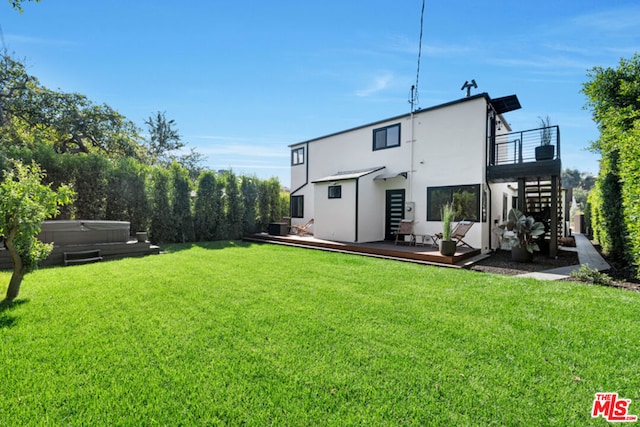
587	254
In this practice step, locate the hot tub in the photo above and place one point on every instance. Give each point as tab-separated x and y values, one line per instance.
81	232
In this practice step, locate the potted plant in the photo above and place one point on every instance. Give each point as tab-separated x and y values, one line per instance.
545	151
447	246
518	235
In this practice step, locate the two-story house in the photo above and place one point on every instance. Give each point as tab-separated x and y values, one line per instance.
359	183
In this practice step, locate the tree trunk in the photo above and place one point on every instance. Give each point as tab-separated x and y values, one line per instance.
14	285
18	270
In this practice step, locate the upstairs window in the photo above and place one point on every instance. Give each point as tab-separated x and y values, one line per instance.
297	156
386	137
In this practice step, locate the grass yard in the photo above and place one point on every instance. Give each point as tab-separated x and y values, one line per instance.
256	335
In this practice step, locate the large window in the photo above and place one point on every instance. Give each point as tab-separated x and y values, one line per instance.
297	156
386	137
335	191
297	206
464	198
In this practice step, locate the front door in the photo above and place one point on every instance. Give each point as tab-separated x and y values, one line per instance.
394	212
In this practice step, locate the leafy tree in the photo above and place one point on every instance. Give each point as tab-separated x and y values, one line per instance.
163	139
571	178
24	204
17	4
68	121
165	144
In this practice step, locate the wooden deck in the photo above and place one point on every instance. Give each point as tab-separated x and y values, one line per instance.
427	254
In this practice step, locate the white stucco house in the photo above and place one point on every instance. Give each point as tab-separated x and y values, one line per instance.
359	183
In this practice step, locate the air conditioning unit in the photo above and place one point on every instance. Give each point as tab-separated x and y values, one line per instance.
409	210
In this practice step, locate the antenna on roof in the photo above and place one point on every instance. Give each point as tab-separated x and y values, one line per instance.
468	86
414	100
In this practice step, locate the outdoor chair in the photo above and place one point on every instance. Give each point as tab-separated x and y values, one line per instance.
302	230
405	228
458	233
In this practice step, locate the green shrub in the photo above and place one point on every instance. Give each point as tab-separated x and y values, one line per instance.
589	275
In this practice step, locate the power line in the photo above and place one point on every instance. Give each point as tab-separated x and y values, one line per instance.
414	89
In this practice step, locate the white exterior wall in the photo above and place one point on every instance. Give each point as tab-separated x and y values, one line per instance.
449	149
336	216
371	208
498	216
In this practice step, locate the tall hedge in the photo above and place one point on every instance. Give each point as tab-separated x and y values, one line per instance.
181	204
614	97
208	206
161	228
127	194
249	192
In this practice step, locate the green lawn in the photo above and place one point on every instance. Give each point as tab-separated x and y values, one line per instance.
239	334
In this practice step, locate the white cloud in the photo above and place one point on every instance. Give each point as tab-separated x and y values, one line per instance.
617	21
378	84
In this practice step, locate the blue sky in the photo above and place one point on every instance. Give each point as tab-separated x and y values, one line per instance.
244	79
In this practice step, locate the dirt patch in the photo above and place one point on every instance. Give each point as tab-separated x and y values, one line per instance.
500	263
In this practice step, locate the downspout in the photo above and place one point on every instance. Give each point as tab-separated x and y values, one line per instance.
487	150
411	171
357	204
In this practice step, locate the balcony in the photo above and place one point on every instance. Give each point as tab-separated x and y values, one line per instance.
521	155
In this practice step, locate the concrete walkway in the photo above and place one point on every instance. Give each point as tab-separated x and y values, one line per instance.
587	254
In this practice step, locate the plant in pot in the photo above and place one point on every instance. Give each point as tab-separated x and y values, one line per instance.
447	246
518	235
545	151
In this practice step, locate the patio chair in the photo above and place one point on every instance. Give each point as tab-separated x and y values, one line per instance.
405	228
458	233
302	230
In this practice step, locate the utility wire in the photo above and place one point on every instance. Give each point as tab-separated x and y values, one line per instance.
415	95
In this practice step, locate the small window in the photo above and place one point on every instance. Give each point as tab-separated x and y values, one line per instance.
465	200
335	191
297	156
297	206
386	137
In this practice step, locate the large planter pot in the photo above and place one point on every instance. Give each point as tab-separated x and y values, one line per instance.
141	236
545	152
447	247
521	255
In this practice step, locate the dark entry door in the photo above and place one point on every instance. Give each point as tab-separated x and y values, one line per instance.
394	212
